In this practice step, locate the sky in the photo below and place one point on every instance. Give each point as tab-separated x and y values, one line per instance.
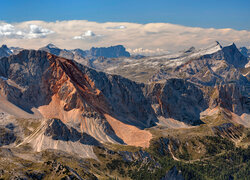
157	25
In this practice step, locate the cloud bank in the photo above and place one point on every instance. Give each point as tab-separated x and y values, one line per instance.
144	38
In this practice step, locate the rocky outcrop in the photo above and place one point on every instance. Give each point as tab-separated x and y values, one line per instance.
57	130
233	56
177	99
233	97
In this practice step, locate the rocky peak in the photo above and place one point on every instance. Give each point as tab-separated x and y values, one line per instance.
50	45
51	48
109	52
233	56
5	51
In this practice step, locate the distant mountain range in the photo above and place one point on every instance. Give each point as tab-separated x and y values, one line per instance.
106	52
83	56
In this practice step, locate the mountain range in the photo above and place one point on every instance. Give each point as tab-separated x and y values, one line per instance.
98	104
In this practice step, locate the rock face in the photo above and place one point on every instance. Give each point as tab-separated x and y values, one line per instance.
245	51
166	97
109	52
233	56
78	95
233	97
59	131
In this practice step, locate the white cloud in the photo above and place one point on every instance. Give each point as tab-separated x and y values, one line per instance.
149	37
86	34
32	32
6	29
37	32
117	27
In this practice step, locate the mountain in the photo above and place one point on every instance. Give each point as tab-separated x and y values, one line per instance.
5	51
109	52
204	66
211	66
87	56
94	102
51	48
245	51
179	115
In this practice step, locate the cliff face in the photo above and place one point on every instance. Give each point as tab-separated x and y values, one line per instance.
233	97
109	52
77	95
177	99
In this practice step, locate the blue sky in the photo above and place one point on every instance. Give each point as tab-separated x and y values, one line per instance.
196	13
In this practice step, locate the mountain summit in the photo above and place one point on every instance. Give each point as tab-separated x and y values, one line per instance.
5	51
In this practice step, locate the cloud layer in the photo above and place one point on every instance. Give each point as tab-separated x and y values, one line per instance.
145	38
